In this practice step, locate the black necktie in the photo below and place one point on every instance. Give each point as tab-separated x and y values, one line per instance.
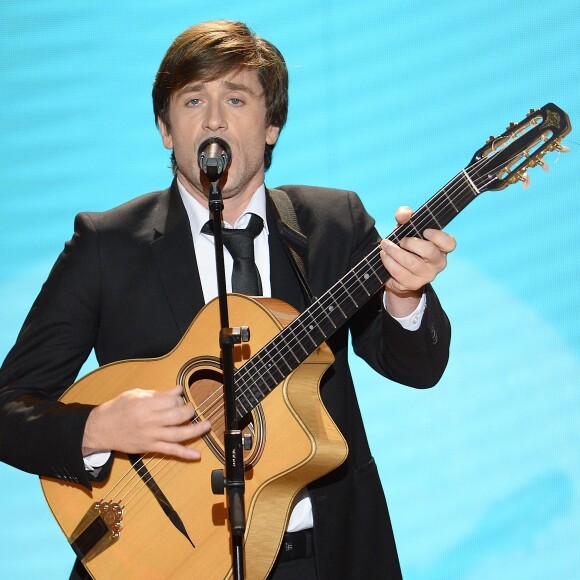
240	244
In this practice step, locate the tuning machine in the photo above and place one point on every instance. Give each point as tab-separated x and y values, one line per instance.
525	179
561	148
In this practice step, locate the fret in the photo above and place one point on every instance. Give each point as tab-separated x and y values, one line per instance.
243	408
432	215
285	361
357	294
276	361
412	225
324	324
247	392
267	368
348	293
299	342
323	311
242	392
332	307
311	325
372	268
293	353
363	285
449	200
270	367
256	382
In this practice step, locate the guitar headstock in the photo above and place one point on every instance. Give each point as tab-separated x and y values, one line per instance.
503	160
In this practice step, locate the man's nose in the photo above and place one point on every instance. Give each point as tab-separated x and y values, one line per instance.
215	118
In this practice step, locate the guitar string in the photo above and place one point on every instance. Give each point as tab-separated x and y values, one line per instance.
244	372
211	399
138	478
449	194
426	221
453	186
371	257
215	398
448	191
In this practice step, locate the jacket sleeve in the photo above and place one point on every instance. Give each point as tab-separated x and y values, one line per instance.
38	434
415	358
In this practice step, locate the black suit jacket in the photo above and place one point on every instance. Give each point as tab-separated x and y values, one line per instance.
127	285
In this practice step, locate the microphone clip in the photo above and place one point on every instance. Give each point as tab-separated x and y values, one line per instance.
214	157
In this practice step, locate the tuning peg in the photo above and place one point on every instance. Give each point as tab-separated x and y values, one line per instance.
544	165
490	140
562	148
525	179
532	112
511	125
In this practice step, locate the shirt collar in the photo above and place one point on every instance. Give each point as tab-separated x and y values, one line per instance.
199	214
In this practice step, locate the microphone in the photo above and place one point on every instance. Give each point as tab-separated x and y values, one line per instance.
214	157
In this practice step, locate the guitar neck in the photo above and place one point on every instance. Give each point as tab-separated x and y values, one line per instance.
284	353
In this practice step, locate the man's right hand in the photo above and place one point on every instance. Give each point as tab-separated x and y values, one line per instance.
139	421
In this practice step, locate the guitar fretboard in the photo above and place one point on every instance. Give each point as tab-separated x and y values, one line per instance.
288	349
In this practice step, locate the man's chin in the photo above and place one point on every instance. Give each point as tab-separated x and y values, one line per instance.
207	185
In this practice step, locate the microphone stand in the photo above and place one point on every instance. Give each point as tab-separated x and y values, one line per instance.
233	481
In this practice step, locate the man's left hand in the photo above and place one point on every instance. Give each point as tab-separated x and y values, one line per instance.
412	264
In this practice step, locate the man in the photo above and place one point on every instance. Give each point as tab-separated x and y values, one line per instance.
131	280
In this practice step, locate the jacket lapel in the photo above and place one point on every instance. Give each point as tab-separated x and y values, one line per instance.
283	278
174	256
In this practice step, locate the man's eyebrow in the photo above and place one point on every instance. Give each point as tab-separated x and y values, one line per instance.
238	87
190	88
195	87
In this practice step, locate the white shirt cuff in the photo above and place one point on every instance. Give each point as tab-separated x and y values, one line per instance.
411	321
96	460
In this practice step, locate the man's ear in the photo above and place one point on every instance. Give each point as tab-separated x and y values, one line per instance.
272	133
165	133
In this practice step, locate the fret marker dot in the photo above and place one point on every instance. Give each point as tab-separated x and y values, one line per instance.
366	276
330	308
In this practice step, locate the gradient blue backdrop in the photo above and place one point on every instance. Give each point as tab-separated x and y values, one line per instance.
482	473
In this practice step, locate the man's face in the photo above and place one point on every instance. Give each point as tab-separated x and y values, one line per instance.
231	107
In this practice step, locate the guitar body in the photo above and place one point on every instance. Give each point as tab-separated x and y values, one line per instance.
295	442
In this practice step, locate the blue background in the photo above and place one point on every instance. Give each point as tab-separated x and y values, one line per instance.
482	473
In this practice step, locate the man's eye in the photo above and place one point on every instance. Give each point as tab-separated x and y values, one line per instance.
194	102
235	101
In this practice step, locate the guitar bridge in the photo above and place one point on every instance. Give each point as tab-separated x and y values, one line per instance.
98	530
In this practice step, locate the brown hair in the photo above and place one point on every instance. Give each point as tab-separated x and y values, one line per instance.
210	50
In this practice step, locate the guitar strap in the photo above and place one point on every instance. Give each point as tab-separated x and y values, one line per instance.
294	241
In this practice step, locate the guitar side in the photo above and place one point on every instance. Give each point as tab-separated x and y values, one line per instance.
300	443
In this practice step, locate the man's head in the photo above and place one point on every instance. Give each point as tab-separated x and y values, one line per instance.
212	50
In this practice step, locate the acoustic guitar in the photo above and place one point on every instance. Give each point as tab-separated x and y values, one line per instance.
156	517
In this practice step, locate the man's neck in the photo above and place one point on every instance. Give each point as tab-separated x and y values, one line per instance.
234	207
234	204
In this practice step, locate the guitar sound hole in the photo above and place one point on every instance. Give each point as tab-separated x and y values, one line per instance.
203	386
